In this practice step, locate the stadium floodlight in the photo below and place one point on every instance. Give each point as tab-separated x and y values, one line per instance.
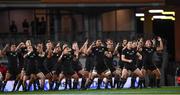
169	13
159	16
142	19
156	11
139	14
163	17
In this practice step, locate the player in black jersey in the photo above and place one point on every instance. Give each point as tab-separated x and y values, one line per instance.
100	66
31	67
150	65
41	67
158	56
148	61
90	64
19	79
121	47
128	57
41	58
140	63
33	71
114	69
77	66
57	67
59	70
49	63
13	64
68	72
89	59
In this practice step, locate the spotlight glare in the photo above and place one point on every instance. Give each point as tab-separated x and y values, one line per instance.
142	19
139	14
156	11
168	13
163	17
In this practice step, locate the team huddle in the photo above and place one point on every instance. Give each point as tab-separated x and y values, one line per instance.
58	61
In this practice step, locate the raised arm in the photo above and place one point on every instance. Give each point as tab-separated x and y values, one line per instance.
60	58
161	45
19	46
27	54
139	56
115	50
89	49
84	46
5	49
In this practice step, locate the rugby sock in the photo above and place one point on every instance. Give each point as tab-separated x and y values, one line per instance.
3	86
75	83
88	84
151	81
83	83
158	83
34	84
116	82
24	86
143	82
29	86
69	83
42	87
38	84
15	84
99	83
19	85
154	81
57	85
106	84
51	84
123	83
140	82
0	85
119	83
66	82
133	79
111	83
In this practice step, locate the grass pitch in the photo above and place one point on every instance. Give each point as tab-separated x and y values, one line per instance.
144	91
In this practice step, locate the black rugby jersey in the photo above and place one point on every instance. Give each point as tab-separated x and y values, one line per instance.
130	54
12	58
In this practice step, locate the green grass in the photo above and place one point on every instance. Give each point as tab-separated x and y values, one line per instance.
145	91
